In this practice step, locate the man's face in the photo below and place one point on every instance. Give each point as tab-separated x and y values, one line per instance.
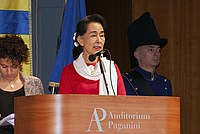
148	56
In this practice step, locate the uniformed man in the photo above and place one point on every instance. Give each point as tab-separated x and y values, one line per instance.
145	47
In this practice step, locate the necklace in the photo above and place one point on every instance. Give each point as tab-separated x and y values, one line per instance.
12	85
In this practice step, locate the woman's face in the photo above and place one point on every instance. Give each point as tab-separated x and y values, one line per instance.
93	40
8	70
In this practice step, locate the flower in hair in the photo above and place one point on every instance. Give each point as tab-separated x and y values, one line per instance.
75	42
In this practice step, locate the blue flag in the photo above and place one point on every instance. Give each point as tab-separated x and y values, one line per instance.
14	22
74	11
15	18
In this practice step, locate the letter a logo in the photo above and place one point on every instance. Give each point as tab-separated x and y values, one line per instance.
95	118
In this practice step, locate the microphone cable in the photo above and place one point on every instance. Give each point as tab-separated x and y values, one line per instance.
109	54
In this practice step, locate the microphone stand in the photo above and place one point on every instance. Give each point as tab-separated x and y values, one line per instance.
102	71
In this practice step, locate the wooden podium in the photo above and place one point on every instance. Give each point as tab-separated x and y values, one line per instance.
89	114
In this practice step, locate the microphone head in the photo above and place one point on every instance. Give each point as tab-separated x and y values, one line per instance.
92	57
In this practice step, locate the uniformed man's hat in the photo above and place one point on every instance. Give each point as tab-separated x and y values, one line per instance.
143	32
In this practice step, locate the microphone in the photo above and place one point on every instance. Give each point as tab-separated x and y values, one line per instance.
92	57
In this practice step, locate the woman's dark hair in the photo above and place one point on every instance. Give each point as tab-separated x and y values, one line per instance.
13	47
81	29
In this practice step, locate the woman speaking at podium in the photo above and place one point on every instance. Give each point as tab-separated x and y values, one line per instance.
94	75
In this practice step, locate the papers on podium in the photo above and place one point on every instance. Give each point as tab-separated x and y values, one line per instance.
8	120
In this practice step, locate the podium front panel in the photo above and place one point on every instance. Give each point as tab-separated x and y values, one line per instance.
88	114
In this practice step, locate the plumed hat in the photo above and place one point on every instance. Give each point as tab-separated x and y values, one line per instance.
143	32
